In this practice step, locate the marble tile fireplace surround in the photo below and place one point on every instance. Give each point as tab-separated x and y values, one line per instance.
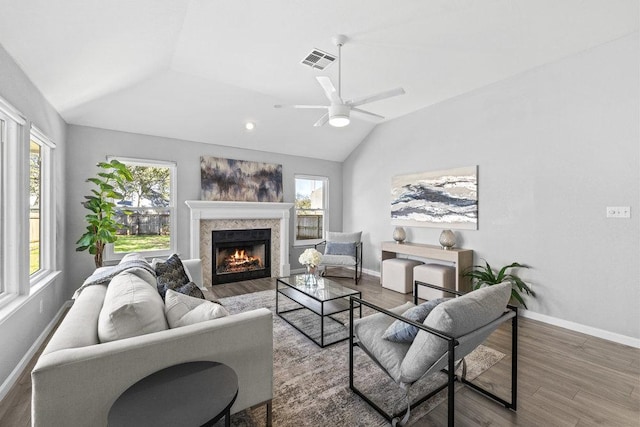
208	216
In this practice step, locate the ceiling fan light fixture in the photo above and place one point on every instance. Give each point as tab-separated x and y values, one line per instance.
339	121
339	109
339	115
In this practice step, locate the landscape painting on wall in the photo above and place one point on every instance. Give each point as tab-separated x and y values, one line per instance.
442	199
239	180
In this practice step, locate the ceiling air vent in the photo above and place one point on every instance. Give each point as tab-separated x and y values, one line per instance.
318	59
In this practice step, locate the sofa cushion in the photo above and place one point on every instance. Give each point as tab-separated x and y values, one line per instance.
171	274
400	331
183	310
455	317
131	307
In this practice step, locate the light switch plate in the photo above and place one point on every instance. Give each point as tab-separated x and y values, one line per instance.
618	212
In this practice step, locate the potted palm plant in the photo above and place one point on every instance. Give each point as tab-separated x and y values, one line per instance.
485	275
102	222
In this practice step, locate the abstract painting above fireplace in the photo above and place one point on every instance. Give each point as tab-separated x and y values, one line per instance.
239	180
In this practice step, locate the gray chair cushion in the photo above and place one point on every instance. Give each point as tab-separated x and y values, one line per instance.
369	332
340	248
400	331
455	317
338	260
333	236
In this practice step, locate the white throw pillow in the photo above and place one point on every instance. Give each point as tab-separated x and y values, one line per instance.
131	307
183	310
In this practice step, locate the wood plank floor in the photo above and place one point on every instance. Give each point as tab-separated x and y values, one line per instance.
565	378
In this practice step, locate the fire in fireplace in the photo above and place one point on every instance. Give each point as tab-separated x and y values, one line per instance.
240	255
240	260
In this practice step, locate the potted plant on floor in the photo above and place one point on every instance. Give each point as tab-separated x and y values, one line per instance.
102	223
485	275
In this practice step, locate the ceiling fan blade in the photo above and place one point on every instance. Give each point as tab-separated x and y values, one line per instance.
377	97
366	115
300	106
324	119
329	89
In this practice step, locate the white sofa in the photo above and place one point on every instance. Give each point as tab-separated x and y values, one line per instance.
77	378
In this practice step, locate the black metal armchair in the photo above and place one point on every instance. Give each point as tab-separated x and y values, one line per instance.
342	250
451	331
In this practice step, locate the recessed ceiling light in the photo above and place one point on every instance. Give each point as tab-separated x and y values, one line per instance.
249	126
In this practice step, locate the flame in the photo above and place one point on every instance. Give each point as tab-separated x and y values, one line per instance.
241	259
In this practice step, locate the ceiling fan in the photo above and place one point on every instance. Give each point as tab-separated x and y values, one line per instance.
339	111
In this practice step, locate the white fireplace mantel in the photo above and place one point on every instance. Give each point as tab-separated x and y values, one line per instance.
206	210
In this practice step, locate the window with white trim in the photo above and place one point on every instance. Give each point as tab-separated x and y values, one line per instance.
3	141
147	211
12	269
41	222
27	197
311	209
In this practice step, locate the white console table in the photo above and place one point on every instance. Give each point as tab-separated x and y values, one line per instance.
462	258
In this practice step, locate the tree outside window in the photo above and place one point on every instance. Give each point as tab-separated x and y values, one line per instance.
35	163
148	209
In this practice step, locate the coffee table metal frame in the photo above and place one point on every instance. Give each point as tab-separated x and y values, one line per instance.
324	299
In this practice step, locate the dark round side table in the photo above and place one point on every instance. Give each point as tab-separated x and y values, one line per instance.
188	394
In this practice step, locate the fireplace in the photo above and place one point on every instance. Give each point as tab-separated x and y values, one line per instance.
240	255
206	216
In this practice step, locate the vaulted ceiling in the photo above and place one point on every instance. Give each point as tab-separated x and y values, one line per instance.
200	69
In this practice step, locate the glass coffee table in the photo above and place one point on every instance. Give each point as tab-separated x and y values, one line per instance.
324	298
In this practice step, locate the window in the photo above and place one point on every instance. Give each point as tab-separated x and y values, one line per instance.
35	161
311	215
148	210
27	206
12	268
41	204
3	139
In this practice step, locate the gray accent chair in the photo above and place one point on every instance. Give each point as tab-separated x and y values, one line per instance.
452	330
342	250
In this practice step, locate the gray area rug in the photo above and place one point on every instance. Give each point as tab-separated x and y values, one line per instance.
311	384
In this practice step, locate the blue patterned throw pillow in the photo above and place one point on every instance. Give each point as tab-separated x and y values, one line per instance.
401	332
340	248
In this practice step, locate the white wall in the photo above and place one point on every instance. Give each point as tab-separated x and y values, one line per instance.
87	146
554	146
24	325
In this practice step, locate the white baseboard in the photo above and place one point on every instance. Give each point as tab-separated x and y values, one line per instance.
589	330
22	365
371	272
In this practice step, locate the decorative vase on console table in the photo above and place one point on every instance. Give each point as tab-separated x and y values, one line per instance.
447	239
399	235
